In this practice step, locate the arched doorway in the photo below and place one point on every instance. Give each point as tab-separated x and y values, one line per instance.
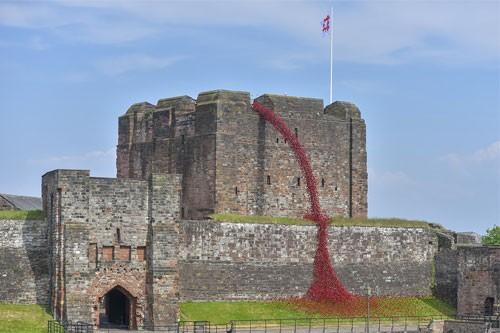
117	309
488	306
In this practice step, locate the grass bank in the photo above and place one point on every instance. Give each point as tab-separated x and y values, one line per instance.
223	312
23	318
21	215
336	221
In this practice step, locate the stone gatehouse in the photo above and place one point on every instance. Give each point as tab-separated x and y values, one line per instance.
113	247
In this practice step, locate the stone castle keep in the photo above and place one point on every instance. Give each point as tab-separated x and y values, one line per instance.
128	250
231	161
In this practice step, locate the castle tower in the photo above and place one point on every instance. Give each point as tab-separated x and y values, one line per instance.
113	248
233	162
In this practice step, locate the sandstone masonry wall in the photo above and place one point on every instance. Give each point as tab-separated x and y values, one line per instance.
107	234
445	274
478	278
232	161
239	261
24	276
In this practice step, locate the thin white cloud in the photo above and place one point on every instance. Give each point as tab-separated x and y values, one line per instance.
463	163
366	86
75	77
389	179
290	62
380	32
133	62
75	161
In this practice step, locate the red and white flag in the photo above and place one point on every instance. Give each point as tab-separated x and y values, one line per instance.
326	24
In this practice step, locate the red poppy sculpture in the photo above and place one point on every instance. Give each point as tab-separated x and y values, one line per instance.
326	285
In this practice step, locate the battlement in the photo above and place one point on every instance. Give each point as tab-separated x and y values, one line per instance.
233	162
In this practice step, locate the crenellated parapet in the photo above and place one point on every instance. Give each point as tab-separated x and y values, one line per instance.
233	162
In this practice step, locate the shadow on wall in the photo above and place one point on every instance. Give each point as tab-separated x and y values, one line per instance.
36	244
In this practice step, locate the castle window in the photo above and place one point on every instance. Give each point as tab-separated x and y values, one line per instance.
236	191
277	140
117	236
322	182
182	212
92	252
335	187
268	180
141	253
108	252
124	253
285	140
182	138
296	132
298	181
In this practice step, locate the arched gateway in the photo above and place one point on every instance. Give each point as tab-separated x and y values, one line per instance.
117	308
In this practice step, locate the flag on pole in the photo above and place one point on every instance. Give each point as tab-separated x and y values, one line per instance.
326	25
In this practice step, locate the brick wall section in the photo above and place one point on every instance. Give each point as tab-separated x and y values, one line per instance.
225	152
163	270
24	276
478	277
445	274
237	261
100	214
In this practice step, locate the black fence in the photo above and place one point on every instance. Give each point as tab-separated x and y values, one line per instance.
344	325
494	321
55	326
182	327
299	325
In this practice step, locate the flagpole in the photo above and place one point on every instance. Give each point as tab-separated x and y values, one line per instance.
331	56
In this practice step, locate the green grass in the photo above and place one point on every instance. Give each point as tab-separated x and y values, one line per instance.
22	318
378	222
223	312
259	219
21	215
336	221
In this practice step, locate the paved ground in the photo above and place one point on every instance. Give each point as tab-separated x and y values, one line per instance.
328	329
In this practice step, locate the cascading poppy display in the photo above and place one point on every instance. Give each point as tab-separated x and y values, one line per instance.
326	285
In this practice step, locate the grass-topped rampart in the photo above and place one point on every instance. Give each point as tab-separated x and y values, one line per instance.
21	215
223	312
336	221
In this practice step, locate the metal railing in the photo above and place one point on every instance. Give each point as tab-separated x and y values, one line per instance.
182	327
323	325
55	326
494	321
296	325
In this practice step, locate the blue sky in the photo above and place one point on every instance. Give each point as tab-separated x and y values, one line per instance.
425	75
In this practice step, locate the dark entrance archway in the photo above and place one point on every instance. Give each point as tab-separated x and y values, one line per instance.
116	308
488	306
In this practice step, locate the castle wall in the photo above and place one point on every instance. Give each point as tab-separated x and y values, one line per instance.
24	276
238	261
446	265
478	278
102	237
232	161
